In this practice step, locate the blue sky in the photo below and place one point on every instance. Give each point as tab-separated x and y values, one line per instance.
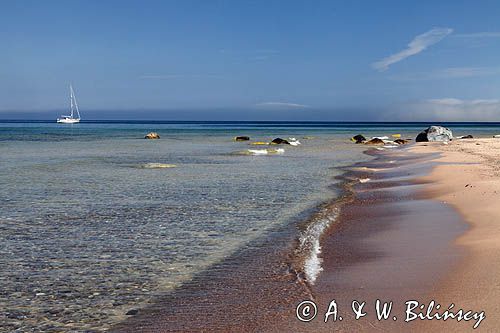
290	60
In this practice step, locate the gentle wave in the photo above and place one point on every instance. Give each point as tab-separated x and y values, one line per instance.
309	242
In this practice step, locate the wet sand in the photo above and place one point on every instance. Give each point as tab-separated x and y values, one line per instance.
390	242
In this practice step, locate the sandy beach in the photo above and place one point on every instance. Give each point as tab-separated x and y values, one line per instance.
462	175
467	178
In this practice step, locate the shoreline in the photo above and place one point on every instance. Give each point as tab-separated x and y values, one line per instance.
385	244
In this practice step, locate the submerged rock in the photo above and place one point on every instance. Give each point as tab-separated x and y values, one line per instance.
375	141
401	141
435	133
280	141
152	135
358	138
466	137
132	312
158	166
241	138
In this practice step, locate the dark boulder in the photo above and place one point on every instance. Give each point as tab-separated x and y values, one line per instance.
466	137
280	141
401	141
152	135
375	141
435	133
421	137
132	312
241	138
358	138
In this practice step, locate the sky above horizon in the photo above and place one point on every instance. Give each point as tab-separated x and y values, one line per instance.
253	60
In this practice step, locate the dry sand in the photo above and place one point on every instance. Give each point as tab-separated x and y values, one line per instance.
469	180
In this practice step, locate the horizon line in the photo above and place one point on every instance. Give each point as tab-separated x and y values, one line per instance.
252	121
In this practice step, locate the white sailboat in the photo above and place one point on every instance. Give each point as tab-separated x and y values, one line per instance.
71	119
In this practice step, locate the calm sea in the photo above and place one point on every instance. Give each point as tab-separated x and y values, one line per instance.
88	230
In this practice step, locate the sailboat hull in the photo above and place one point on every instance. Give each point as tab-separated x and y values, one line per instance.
68	120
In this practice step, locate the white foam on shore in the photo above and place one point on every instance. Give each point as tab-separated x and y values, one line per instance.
309	241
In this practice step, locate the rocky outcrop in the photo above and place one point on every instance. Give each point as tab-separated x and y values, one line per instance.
152	135
435	133
358	138
241	138
280	141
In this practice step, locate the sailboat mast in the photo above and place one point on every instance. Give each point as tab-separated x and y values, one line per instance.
71	99
73	102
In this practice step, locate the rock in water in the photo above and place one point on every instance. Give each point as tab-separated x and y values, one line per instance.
280	141
435	133
241	138
132	312
358	138
401	141
466	137
152	135
375	141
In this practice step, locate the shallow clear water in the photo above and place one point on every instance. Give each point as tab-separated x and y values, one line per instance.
87	233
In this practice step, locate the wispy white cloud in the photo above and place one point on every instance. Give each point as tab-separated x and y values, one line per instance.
177	76
448	109
456	101
417	45
282	105
448	73
483	34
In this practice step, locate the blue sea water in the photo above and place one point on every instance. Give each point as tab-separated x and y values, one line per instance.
88	231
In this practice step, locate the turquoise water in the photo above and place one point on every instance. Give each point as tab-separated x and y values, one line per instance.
88	232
